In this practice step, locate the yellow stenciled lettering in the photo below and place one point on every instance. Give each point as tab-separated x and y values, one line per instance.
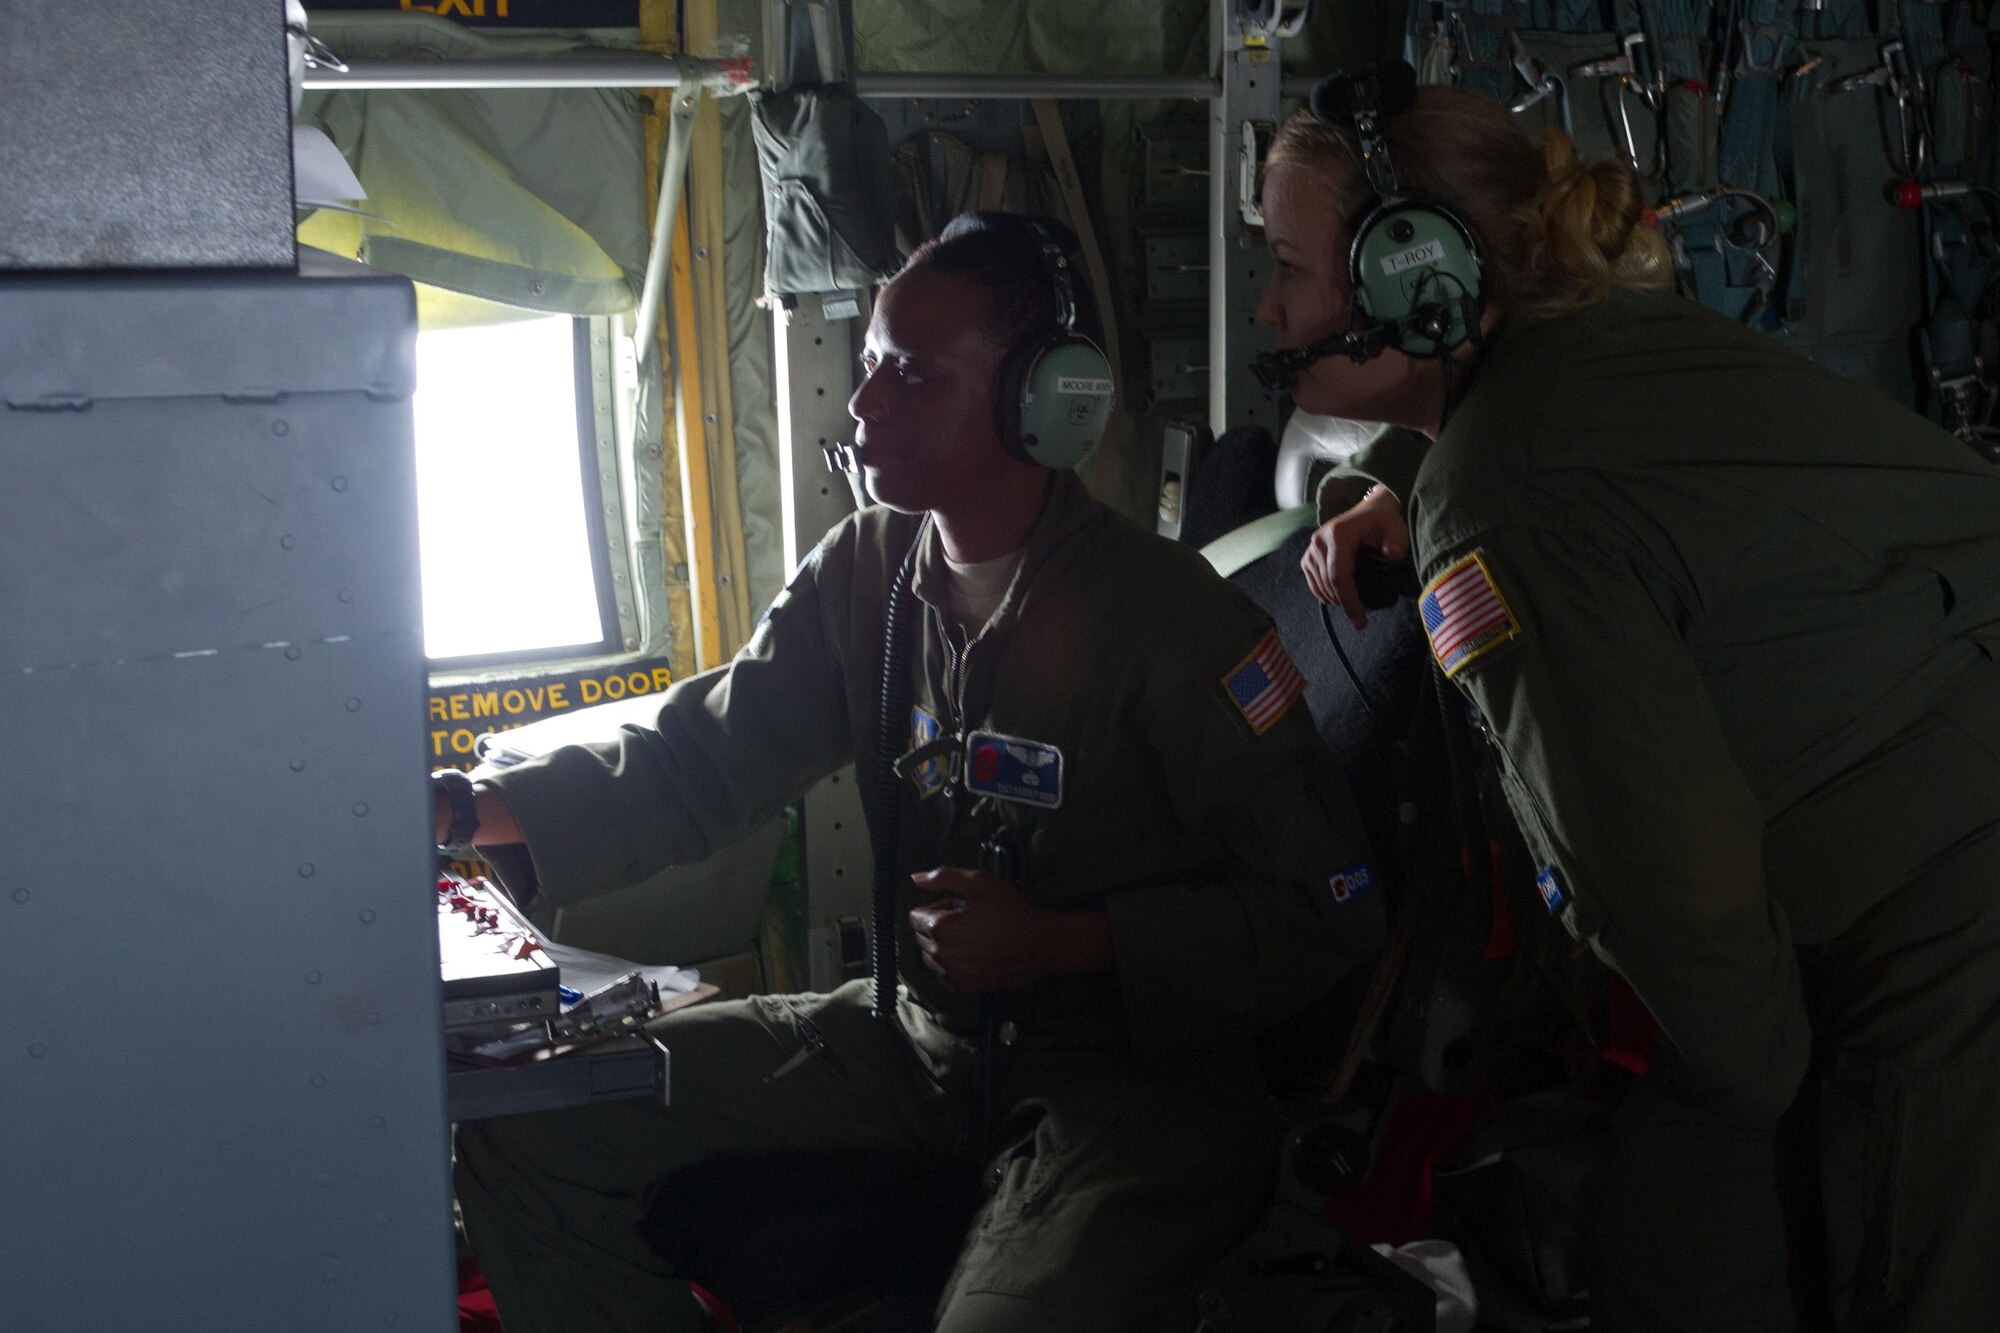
486	704
423	8
590	690
639	683
662	677
461	741
614	687
513	702
537	696
438	739
459	712
450	7
437	709
557	699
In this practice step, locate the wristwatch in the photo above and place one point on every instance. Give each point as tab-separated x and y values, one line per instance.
463	801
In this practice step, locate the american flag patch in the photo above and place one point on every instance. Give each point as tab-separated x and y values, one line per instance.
1465	615
1264	684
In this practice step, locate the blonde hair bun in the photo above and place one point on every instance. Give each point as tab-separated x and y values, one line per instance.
1559	232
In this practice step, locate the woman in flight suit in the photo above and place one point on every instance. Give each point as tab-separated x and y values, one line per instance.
1730	620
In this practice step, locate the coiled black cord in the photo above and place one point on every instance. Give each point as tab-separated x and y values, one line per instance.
892	722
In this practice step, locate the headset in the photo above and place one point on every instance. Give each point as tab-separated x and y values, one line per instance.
1054	394
1414	264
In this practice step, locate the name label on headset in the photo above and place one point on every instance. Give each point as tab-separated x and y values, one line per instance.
1081	384
1431	252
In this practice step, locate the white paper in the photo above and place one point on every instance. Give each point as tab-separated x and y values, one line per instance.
321	177
583	970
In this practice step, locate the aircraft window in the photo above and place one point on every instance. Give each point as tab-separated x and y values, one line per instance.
513	554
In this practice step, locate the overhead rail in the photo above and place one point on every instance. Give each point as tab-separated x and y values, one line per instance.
1103	87
635	70
641	70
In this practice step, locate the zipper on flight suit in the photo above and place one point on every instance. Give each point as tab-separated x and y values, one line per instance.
956	655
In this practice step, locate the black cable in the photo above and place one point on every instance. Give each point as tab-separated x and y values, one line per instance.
1444	407
892	721
1353	676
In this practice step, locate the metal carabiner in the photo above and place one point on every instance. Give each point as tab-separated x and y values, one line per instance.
1630	81
317	53
1543	83
1910	152
1626	86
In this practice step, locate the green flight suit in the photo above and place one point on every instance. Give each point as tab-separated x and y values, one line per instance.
1731	626
1142	1146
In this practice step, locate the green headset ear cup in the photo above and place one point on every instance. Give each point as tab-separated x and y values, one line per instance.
1054	401
1410	253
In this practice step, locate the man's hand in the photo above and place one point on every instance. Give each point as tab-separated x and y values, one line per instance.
496	821
1376	521
986	936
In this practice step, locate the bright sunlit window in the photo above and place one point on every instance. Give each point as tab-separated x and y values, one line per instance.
507	545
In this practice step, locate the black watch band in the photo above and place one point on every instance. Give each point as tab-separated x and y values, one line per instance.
464	805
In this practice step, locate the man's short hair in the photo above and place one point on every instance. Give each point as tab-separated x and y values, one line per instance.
1003	257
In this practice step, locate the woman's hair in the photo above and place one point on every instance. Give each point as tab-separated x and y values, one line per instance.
1559	233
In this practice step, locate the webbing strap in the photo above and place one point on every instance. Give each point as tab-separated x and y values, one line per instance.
1674	32
1764	45
1922	27
1955	274
1480	31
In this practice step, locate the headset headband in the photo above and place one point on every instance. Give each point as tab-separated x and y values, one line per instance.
1364	102
1056	263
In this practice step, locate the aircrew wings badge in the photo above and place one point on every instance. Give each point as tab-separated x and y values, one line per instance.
1465	615
1264	684
1008	768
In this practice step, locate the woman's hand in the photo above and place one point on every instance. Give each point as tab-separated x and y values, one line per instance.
1375	521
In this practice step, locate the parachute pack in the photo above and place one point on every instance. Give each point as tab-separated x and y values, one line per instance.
1821	169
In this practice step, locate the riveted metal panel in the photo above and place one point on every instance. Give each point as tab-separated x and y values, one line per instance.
220	1032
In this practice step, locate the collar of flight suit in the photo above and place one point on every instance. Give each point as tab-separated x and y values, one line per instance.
1068	512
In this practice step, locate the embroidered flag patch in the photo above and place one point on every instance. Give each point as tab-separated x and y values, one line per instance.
1552	894
1264	684
930	774
1465	615
1012	769
1351	883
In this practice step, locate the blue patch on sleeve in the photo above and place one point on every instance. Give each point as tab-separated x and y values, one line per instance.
930	774
1552	894
1353	882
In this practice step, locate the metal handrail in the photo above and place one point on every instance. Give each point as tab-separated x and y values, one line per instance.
642	70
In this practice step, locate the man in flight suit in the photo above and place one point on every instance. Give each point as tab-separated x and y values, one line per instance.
1193	871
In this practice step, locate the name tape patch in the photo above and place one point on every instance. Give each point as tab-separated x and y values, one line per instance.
1008	768
1552	894
1465	615
1431	252
1353	882
1083	384
1264	684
